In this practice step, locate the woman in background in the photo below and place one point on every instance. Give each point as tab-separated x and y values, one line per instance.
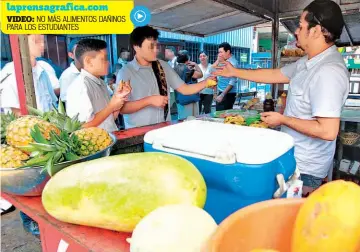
187	105
207	95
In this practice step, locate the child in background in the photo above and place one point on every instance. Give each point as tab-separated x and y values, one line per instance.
110	81
88	95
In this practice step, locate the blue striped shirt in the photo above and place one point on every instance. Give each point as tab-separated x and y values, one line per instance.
223	82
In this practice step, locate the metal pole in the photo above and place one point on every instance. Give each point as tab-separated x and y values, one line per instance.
275	41
23	71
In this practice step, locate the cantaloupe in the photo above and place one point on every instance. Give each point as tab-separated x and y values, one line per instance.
116	192
329	220
173	228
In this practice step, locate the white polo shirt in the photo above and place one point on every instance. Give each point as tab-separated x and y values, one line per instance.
44	92
87	96
51	73
318	88
66	78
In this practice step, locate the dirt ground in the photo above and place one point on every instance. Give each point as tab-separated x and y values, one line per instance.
13	236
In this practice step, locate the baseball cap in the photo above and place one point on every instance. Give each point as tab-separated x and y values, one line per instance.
328	14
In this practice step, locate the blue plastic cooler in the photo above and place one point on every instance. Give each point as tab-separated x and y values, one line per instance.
239	164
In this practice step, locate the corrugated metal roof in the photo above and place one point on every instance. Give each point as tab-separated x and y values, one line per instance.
241	37
208	17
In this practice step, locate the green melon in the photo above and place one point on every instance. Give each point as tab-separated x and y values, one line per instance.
116	192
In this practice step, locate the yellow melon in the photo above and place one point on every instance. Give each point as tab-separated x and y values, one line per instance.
264	250
329	220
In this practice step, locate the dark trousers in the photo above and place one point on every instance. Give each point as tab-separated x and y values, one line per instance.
227	102
206	101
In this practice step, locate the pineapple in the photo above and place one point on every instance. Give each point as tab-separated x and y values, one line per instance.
18	131
92	140
58	117
12	157
5	119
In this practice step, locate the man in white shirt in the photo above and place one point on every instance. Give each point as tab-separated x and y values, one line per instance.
170	53
319	86
45	95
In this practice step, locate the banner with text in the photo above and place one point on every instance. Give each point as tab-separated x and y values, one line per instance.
68	17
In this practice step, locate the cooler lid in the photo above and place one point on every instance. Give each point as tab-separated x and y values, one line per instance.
221	143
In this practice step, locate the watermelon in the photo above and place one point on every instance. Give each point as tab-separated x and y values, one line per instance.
116	192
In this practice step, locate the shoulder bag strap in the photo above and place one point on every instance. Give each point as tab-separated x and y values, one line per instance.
161	81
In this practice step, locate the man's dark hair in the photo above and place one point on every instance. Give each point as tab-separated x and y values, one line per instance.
328	15
88	45
183	56
226	46
139	34
171	48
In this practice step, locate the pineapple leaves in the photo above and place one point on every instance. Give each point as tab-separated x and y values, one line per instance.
71	156
50	165
38	160
61	108
37	136
34	111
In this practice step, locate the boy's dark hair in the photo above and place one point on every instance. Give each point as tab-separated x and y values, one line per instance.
139	34
88	45
226	46
183	56
328	15
171	48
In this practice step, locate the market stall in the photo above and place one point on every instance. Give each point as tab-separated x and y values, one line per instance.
60	236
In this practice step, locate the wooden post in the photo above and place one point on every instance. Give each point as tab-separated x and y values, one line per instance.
275	41
23	72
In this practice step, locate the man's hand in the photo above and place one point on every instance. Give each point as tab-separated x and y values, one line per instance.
120	95
219	98
227	70
273	119
158	101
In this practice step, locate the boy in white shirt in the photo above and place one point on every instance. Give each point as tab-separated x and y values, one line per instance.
87	95
70	73
44	92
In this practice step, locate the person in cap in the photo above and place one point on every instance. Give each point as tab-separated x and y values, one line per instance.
319	86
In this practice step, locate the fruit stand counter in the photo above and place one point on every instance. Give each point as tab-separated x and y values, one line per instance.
63	237
132	140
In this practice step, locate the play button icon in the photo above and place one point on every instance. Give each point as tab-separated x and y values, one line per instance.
140	16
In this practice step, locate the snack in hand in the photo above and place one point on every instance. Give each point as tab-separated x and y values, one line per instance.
210	83
124	87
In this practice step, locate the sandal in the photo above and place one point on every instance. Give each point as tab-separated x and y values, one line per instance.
6	207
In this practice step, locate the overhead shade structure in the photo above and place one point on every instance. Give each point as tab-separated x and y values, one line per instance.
204	17
208	17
